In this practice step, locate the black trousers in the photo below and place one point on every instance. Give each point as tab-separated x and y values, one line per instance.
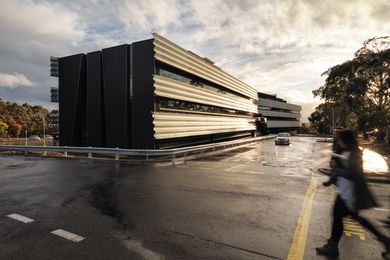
340	211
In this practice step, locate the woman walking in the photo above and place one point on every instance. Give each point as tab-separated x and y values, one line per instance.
353	194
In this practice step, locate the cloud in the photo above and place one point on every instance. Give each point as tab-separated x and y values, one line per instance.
150	15
31	32
14	80
277	47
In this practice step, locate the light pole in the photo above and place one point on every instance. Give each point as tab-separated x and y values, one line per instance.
43	127
333	122
44	135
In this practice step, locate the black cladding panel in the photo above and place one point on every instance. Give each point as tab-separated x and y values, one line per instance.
116	83
95	110
72	87
143	69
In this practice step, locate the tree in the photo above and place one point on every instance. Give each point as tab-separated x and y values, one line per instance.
25	116
3	129
321	119
361	87
18	129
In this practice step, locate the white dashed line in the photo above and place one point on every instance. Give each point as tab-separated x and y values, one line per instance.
381	209
232	168
67	235
20	218
136	246
254	172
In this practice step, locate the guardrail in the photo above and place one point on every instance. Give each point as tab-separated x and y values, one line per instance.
147	154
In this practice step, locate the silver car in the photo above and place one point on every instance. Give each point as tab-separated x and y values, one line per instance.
282	138
34	138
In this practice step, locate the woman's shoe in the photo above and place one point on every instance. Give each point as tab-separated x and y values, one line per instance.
331	248
386	243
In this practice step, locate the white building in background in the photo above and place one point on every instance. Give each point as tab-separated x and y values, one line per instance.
281	116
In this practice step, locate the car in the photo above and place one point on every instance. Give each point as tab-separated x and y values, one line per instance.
282	138
34	138
49	137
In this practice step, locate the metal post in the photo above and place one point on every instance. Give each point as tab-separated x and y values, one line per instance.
333	122
44	135
43	125
117	155
173	159
89	154
65	152
25	142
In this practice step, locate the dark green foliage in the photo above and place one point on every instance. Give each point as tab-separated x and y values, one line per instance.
361	87
15	119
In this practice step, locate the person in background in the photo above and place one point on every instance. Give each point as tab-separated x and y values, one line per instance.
353	193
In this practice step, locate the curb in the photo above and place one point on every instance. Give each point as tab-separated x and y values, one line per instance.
385	179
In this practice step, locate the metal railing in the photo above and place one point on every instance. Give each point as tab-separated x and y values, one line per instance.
163	154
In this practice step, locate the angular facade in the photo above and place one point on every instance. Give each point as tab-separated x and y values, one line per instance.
281	116
150	94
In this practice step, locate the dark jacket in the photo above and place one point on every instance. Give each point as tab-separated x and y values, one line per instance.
354	172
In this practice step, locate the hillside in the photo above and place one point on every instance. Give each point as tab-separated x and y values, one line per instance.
15	119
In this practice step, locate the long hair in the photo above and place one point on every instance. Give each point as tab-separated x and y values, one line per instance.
348	138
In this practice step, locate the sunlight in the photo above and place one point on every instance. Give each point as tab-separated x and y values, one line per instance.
374	162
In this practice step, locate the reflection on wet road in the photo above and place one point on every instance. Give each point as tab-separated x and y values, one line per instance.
374	162
236	204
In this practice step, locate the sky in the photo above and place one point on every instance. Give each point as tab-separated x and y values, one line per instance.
277	46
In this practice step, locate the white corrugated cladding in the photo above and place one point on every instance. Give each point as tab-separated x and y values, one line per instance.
174	55
281	124
173	125
272	113
165	87
277	104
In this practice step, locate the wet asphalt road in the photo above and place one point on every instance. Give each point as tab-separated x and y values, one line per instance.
240	204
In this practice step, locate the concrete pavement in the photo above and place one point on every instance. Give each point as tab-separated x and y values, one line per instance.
242	204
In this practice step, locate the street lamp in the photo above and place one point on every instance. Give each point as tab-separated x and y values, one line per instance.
43	127
333	121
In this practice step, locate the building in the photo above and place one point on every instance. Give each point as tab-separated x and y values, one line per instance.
150	94
281	116
54	119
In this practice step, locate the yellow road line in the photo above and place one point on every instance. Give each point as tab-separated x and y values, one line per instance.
353	228
297	249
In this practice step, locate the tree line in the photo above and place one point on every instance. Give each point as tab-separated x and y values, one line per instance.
15	119
356	92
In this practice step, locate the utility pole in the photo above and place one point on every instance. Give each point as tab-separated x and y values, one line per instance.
333	122
43	122
43	126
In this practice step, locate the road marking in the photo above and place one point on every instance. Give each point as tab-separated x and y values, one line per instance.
134	245
254	172
20	218
67	235
297	249
353	228
381	209
294	176
232	168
